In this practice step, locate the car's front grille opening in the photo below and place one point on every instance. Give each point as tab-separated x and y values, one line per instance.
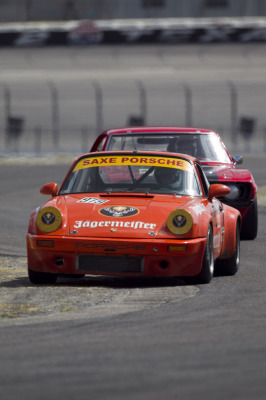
109	264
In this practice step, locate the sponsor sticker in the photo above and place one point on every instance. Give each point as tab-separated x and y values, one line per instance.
217	213
147	161
114	224
119	211
92	200
198	209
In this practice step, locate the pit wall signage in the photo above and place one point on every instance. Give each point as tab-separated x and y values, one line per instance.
169	162
87	32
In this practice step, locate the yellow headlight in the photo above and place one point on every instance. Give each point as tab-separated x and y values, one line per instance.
49	219
179	222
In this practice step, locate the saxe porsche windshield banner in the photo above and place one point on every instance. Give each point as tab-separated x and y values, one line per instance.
148	161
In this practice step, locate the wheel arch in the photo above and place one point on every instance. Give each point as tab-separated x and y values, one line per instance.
232	217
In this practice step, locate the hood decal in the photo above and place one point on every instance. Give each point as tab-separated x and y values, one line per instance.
119	211
92	200
114	224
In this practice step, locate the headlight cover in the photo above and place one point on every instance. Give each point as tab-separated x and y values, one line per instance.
179	222
49	219
234	194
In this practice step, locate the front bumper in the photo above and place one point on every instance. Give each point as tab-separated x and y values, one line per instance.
115	257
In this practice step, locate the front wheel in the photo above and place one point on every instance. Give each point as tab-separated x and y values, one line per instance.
206	273
41	278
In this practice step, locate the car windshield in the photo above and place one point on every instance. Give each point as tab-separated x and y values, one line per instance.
204	146
132	173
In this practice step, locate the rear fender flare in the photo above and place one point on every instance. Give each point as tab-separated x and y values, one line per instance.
231	218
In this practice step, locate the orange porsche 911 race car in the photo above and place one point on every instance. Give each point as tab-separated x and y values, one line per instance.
134	214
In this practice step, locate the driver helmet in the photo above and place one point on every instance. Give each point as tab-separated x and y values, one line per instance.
168	177
182	144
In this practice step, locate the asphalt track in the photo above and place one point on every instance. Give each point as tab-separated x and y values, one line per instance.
140	341
108	339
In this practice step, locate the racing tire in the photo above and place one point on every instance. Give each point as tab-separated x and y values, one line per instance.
230	266
41	278
249	228
207	268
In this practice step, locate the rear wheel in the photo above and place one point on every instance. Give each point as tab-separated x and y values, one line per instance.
230	266
41	278
250	223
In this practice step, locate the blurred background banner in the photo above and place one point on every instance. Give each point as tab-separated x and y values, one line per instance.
67	22
145	31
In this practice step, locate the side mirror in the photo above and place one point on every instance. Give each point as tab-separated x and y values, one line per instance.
49	188
218	190
237	159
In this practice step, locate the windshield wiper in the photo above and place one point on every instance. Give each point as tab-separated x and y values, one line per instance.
135	181
131	175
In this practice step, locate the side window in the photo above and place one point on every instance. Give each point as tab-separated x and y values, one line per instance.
100	145
204	180
115	143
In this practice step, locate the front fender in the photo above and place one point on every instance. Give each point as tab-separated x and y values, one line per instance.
32	221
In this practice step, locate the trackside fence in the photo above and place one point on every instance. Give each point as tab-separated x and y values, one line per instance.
65	118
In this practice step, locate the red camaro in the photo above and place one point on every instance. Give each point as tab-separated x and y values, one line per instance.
218	165
134	214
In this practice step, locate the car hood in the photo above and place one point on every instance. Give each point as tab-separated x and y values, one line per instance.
133	216
226	173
